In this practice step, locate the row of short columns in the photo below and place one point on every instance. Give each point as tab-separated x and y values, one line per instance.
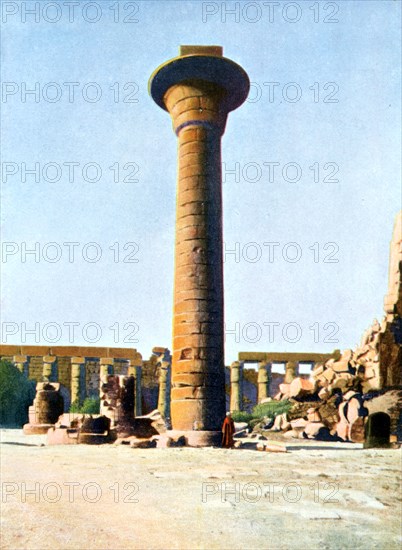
263	381
236	383
164	359
49	372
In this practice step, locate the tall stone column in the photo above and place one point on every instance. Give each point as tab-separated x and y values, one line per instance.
291	371
49	368
76	369
264	375
236	386
20	361
198	88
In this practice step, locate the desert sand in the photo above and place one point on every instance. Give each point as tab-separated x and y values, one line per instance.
115	497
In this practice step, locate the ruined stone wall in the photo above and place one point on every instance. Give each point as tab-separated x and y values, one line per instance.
390	340
33	360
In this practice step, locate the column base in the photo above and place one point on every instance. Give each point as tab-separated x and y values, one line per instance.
36	429
197	438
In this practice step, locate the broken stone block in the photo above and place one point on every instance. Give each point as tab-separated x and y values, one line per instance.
347	355
370	385
340	366
328	375
312	429
281	423
329	412
143	444
371	372
318	369
313	415
338	383
284	389
299	423
300	387
292	434
342	427
239	426
323	394
271	448
62	436
356	430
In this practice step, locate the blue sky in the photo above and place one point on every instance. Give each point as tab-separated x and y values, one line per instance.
346	216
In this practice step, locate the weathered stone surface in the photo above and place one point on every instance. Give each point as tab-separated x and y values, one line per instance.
313	415
171	440
312	429
198	108
236	386
281	423
291	371
300	387
62	436
143	443
48	405
299	423
264	374
284	389
117	393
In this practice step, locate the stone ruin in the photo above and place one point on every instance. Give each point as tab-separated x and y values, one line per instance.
199	88
344	399
47	407
351	396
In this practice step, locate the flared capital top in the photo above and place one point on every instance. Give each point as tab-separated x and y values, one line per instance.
204	63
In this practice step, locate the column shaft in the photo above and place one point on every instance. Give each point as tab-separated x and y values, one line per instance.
291	371
236	387
264	371
198	89
198	331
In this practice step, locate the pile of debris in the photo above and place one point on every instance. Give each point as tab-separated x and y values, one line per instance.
339	395
357	370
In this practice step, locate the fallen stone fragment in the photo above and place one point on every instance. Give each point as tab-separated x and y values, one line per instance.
300	387
143	443
312	429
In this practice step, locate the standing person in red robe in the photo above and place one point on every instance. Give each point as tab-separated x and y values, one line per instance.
228	430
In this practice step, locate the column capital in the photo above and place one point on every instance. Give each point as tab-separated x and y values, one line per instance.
20	359
77	360
106	361
201	63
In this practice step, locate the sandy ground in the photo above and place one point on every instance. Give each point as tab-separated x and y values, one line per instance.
180	498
